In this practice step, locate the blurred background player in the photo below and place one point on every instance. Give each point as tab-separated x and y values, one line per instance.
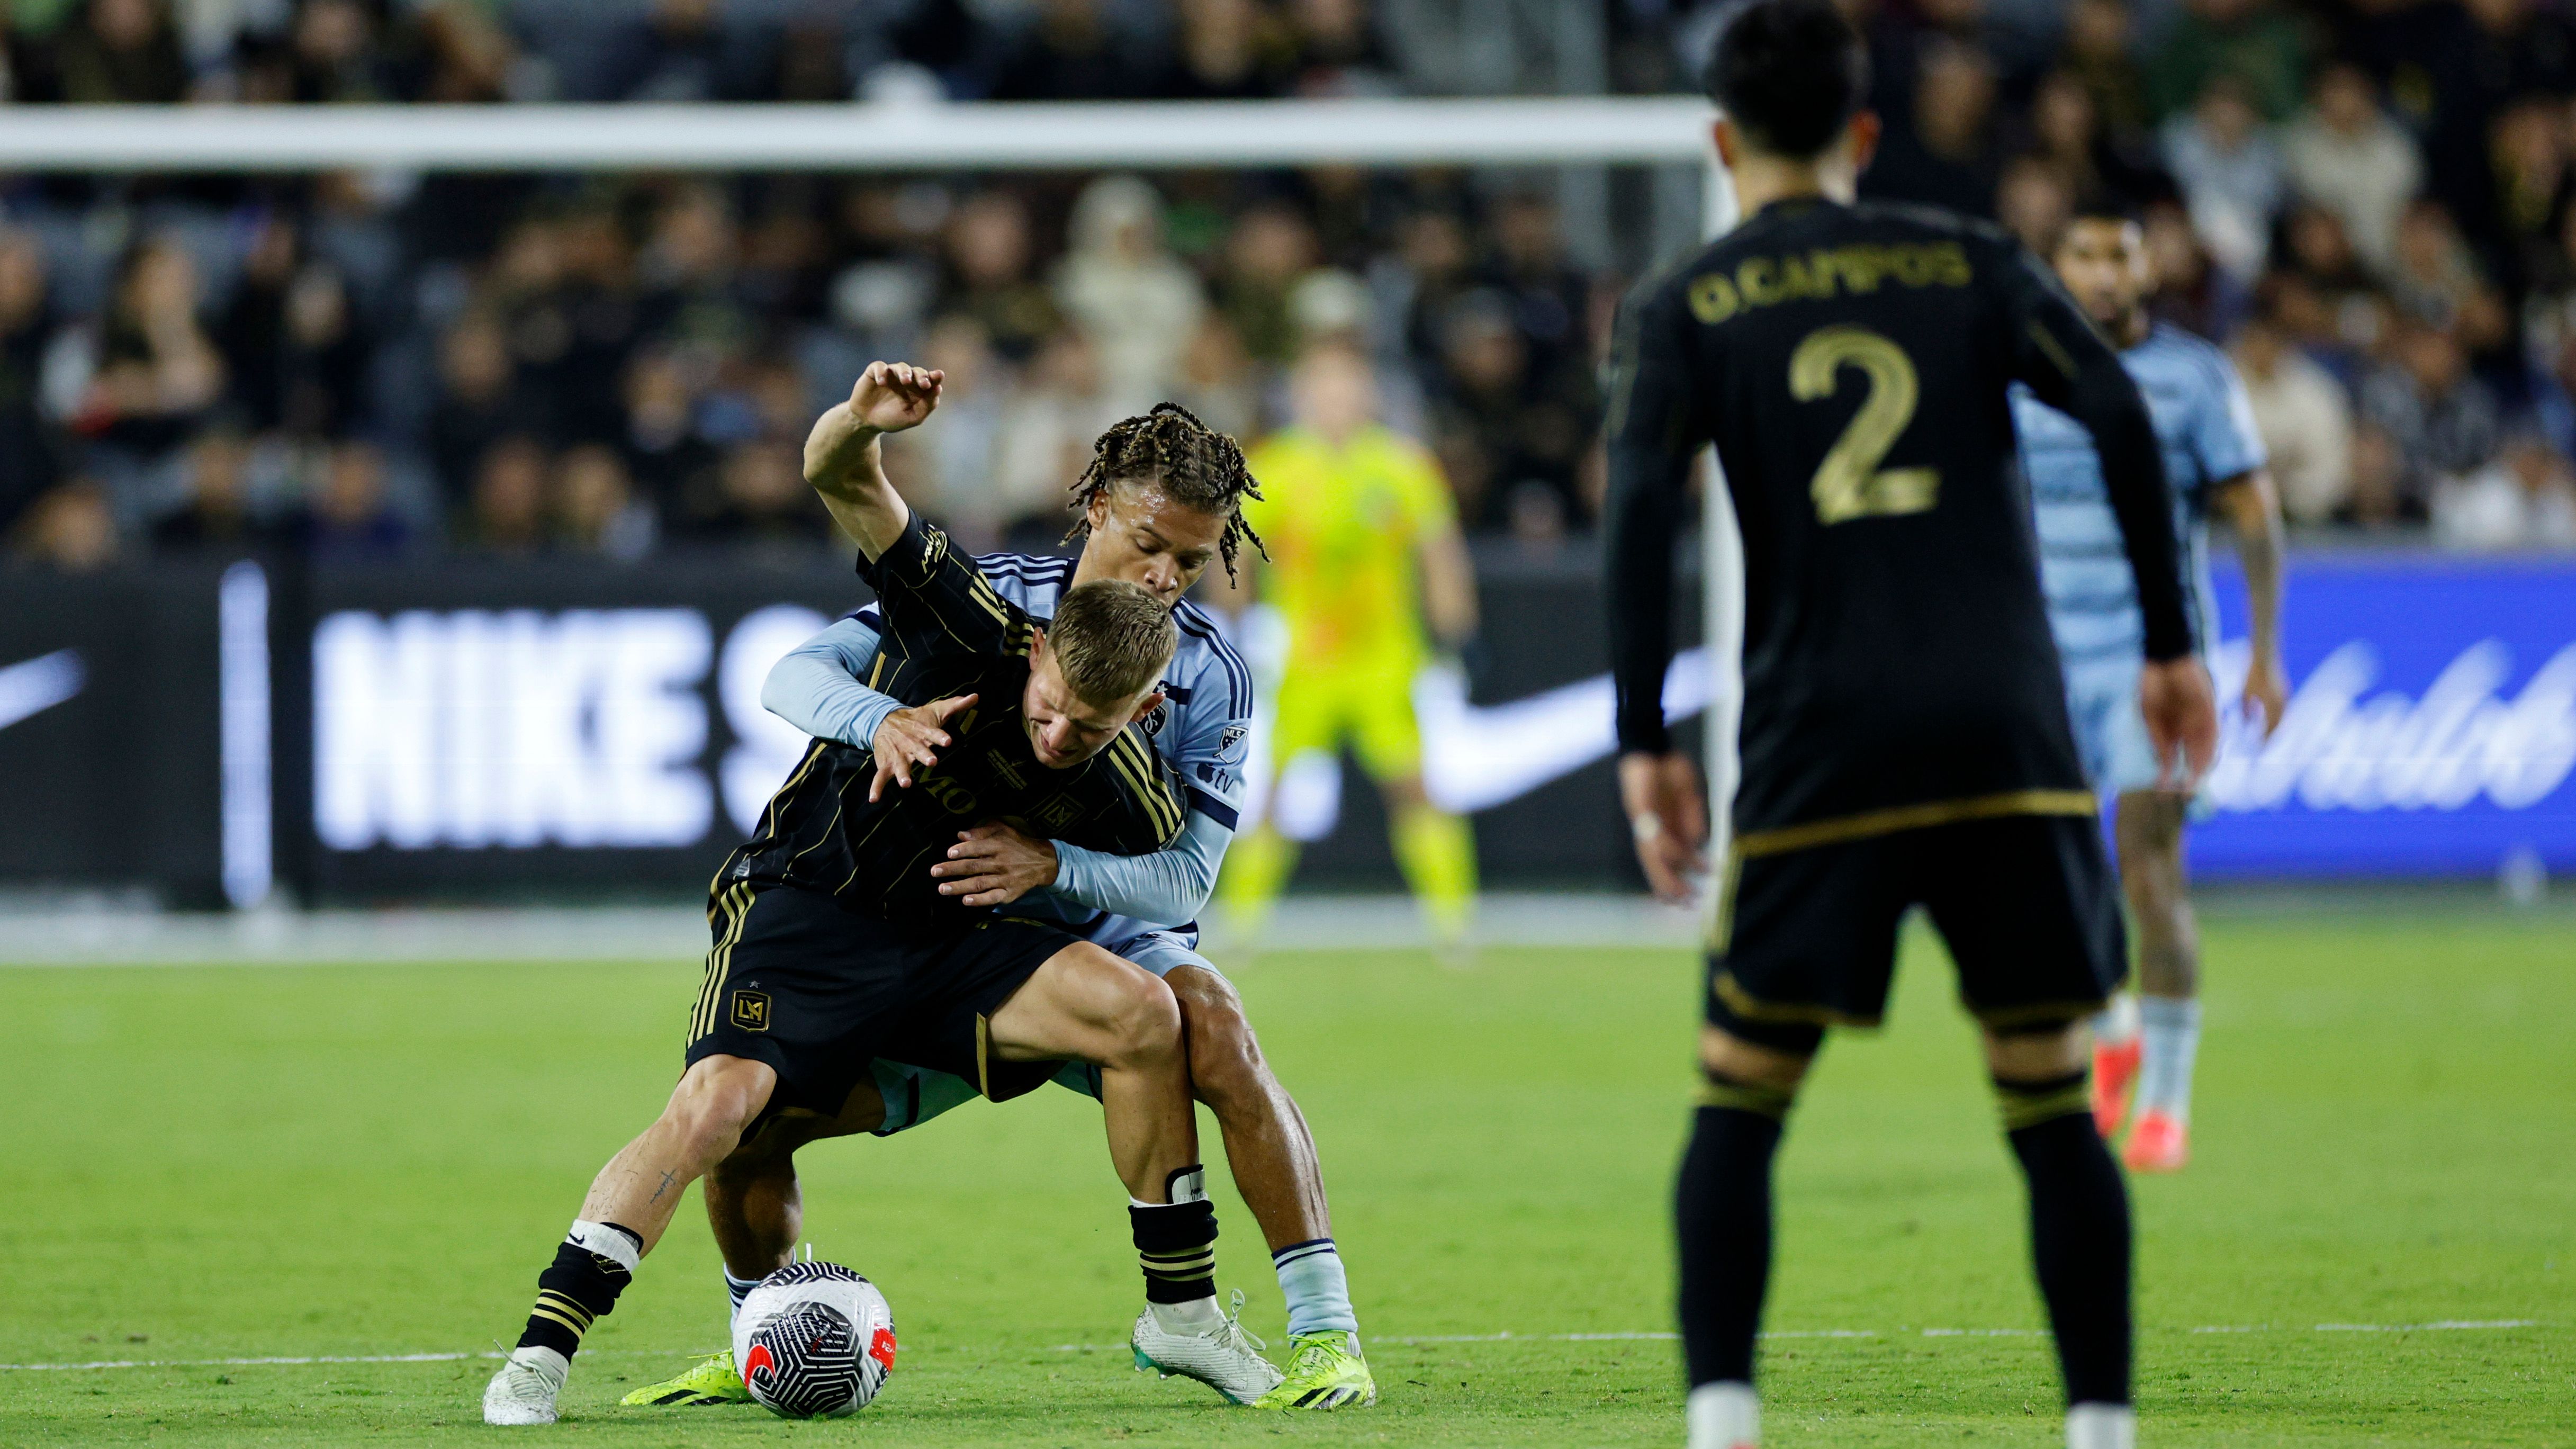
1368	569
1904	738
2215	462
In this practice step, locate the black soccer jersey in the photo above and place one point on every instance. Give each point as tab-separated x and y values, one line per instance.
947	633
1850	364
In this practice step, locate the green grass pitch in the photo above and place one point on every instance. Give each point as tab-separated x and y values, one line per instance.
217	1163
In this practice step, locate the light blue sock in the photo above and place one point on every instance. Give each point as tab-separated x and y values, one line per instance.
2117	1022
1319	1295
2170	1029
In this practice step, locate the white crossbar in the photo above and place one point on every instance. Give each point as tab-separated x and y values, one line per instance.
855	137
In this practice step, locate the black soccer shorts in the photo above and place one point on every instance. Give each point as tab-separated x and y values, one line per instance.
817	991
1806	937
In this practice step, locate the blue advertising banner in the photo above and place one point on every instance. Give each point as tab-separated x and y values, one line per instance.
2431	727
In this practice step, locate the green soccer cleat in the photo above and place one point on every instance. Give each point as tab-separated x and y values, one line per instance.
712	1381
1325	1371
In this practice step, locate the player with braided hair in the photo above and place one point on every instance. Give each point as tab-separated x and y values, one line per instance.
1190	463
1159	503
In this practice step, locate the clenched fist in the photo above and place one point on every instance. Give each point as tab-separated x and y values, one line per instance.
888	398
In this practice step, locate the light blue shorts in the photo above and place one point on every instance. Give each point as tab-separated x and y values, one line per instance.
914	1095
2110	733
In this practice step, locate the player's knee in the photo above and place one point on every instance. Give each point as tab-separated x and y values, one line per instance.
2149	825
716	1101
1225	1057
1140	1013
1405	792
1725	1057
2035	1051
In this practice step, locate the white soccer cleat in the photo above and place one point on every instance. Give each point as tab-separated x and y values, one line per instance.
524	1391
1224	1355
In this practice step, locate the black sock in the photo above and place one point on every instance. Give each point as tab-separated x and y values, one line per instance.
593	1264
1722	1207
2079	1233
1176	1241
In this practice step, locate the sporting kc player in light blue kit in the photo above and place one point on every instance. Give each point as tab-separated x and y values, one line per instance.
2215	461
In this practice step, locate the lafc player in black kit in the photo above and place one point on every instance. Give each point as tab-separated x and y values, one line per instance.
1904	737
833	944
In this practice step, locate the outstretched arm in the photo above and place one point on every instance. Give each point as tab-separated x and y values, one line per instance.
842	459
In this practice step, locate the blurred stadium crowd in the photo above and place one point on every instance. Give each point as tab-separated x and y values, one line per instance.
2368	201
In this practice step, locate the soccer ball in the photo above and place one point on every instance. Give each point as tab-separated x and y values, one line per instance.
814	1341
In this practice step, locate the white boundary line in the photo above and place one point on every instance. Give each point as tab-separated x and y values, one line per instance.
2442	1325
296	1360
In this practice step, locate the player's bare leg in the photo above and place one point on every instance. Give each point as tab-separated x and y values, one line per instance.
1266	1139
625	1213
756	1211
1088	1005
2148	827
1722	1211
2079	1222
1273	1158
755	1208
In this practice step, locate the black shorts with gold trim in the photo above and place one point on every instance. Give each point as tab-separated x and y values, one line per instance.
2017	884
818	991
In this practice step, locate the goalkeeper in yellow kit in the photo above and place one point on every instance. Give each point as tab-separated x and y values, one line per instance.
1368	568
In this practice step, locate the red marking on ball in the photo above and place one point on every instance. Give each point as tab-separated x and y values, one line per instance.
757	1360
881	1348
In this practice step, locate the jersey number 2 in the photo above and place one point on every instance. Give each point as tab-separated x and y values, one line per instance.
1849	484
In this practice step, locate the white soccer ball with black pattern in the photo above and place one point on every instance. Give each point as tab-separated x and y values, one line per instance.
814	1341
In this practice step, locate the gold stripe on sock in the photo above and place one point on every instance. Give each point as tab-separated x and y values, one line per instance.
1768	1102
2022	1109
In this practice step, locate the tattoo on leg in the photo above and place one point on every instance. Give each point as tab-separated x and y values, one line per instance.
665	1187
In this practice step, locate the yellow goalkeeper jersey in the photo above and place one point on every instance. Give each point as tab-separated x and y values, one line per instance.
1343	528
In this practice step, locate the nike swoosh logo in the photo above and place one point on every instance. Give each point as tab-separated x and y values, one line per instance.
35	685
1475	757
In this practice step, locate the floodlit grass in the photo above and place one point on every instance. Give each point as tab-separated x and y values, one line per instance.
218	1163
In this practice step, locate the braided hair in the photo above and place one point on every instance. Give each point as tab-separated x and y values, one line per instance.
1195	465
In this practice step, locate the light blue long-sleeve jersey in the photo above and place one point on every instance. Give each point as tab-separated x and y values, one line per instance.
1201	728
2206	427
